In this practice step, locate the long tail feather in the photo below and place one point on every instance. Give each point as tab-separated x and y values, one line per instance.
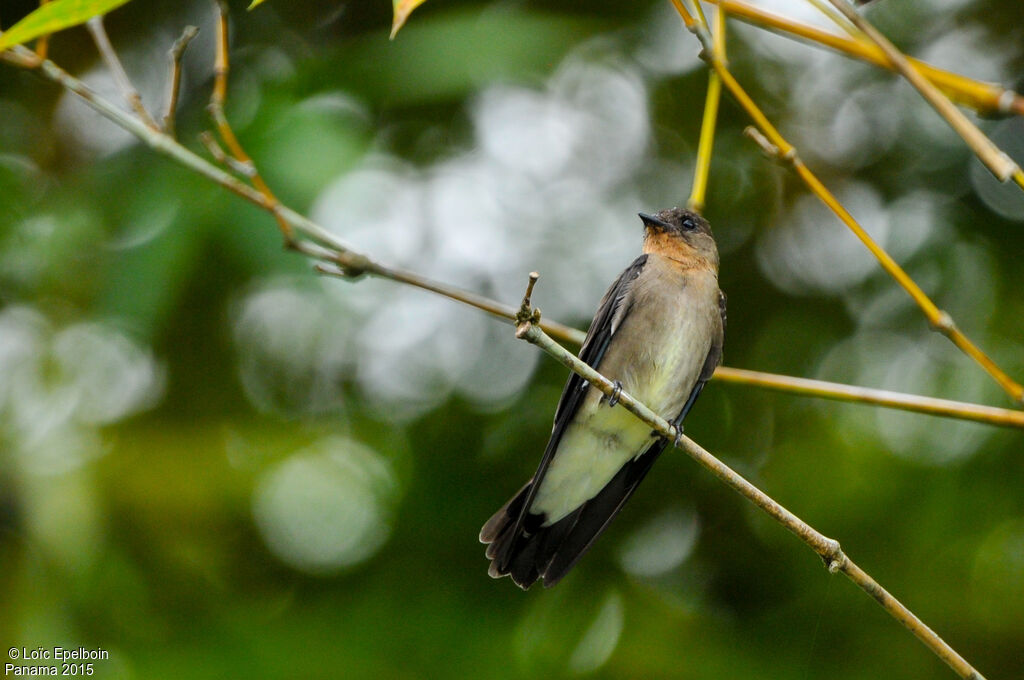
536	551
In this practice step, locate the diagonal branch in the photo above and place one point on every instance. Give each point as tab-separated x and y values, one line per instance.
826	548
131	95
777	145
994	158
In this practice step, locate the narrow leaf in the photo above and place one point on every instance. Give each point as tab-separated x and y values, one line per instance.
254	4
403	8
55	16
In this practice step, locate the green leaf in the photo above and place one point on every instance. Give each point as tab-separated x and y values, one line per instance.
402	10
55	16
254	4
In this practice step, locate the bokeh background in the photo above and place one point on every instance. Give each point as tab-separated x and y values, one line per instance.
215	464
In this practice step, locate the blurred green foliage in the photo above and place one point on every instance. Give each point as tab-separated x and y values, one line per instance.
151	515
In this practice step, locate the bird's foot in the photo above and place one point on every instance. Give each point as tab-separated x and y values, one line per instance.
679	436
613	399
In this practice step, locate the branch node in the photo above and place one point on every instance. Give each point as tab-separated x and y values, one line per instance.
247	168
351	265
210	142
325	270
833	556
711	59
527	316
1004	104
767	148
526	309
943	323
124	83
1010	165
175	54
179	45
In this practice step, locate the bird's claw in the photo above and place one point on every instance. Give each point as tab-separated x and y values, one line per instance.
613	399
679	436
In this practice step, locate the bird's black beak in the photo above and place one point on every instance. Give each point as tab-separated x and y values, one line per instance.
652	221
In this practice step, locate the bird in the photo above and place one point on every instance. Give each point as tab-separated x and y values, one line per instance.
658	335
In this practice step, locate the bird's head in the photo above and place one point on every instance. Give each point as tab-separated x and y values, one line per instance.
680	234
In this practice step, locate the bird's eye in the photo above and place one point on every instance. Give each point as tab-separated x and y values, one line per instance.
689	224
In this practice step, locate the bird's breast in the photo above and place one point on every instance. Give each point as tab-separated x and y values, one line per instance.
662	344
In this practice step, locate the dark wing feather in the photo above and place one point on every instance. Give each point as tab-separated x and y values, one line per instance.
595	344
594	347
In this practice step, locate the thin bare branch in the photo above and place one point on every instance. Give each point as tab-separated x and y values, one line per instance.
221	69
175	54
43	43
222	64
837	18
124	83
827	548
702	168
245	169
866	395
